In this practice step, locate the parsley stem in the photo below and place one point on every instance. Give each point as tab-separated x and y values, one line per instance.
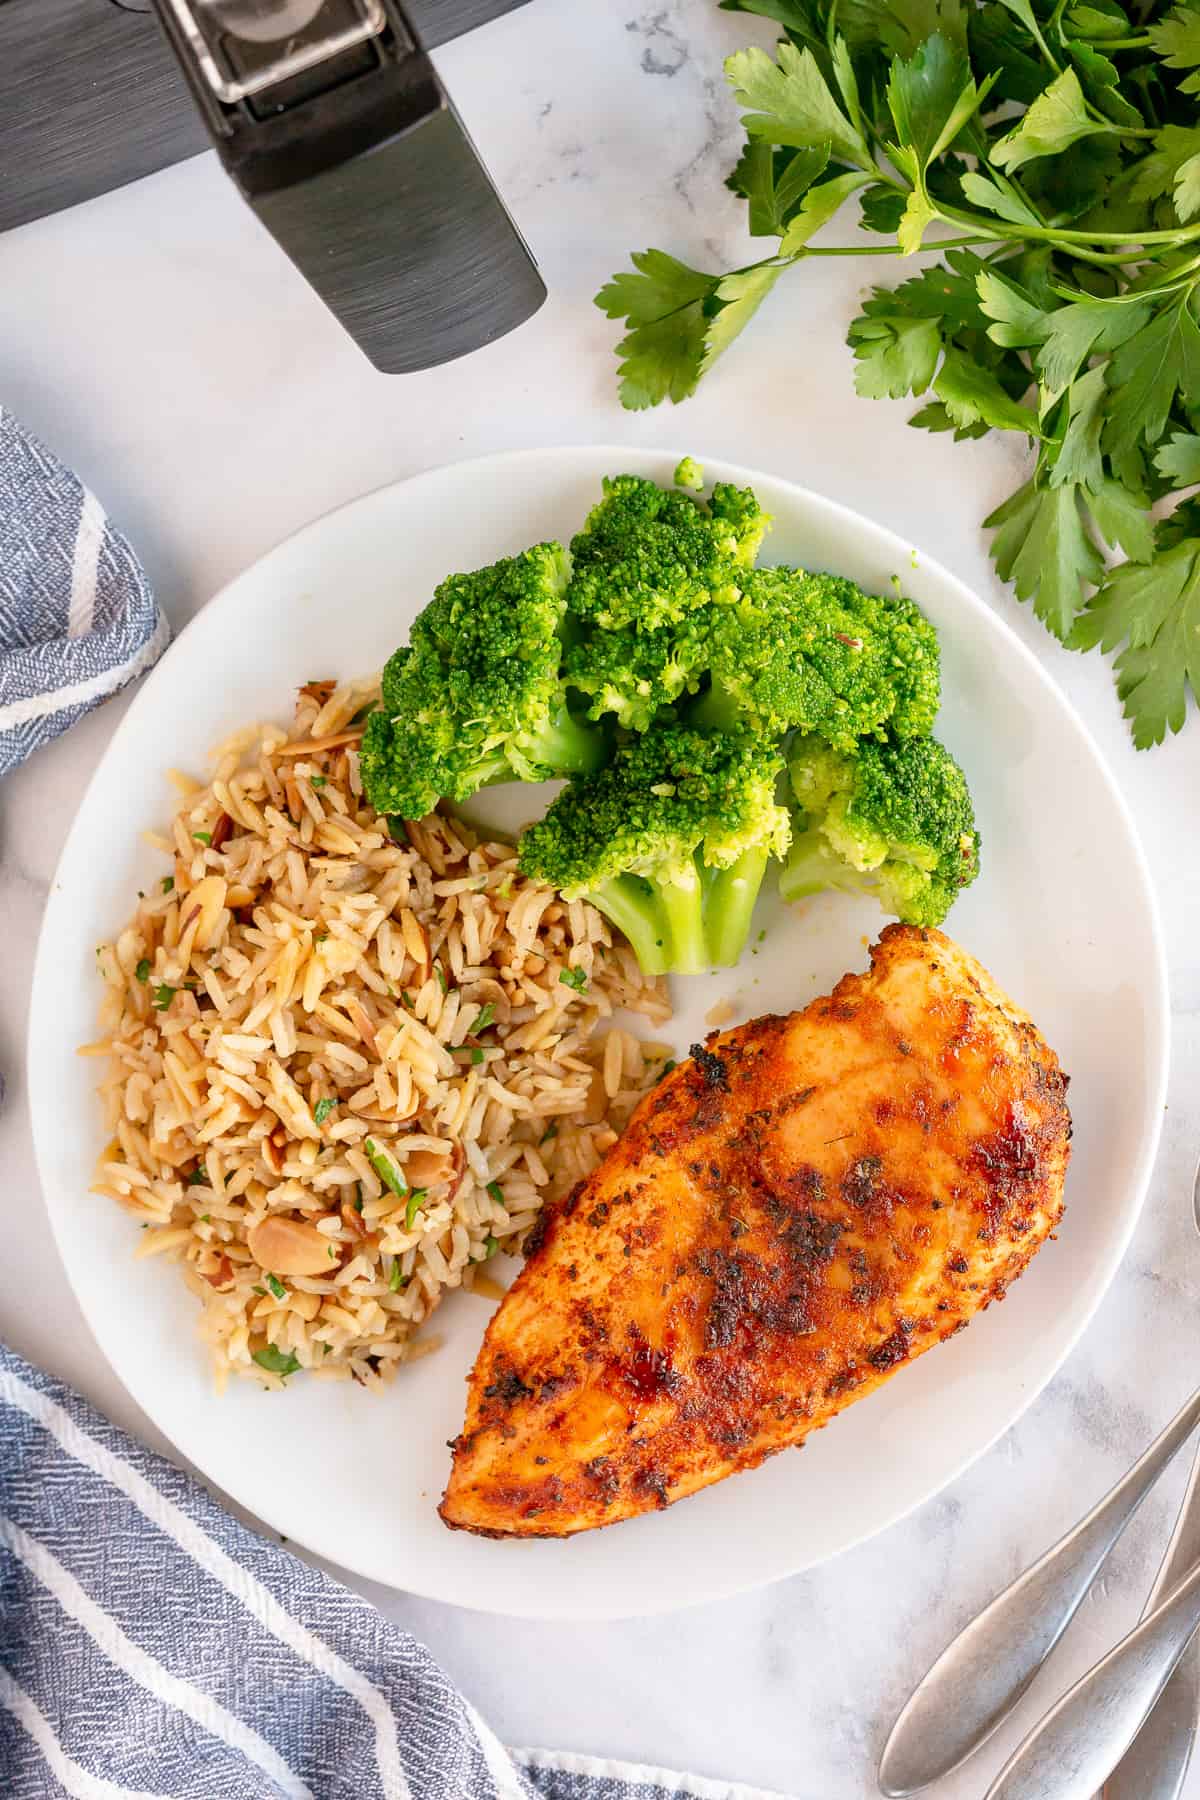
932	249
1135	42
1058	234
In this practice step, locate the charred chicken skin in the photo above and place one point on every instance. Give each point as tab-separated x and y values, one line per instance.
796	1212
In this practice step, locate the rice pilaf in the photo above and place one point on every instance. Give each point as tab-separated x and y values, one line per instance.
349	1059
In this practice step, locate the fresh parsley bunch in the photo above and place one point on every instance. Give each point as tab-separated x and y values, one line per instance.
1055	147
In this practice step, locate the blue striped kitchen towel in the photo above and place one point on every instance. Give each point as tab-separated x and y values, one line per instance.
77	618
153	1648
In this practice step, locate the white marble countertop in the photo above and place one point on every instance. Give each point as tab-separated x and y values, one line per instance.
162	345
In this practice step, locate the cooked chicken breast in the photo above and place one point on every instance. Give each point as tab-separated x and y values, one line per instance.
793	1215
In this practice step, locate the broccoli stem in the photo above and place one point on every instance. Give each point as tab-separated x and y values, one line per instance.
715	710
632	905
729	899
681	904
811	867
567	744
687	921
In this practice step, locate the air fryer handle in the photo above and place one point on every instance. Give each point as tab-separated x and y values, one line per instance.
362	172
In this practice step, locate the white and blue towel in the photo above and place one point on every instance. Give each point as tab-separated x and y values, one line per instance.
152	1648
77	618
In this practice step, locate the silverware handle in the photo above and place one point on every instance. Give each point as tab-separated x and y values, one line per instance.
1156	1763
1071	1753
980	1676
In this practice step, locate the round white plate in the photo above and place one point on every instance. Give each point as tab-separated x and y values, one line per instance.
1062	914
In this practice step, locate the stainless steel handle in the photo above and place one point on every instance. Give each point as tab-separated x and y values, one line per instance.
979	1678
1074	1749
1156	1764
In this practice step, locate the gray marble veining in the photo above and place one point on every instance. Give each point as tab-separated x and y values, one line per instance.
165	347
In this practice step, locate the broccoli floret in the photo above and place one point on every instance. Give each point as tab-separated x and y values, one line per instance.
812	652
648	555
891	819
689	474
477	695
634	674
670	841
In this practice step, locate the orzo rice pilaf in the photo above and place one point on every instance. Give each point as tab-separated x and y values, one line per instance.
348	1059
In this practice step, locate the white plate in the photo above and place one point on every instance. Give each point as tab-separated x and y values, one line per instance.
1062	914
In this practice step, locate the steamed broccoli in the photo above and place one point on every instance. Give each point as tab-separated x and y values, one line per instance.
648	555
893	819
671	841
812	652
477	696
634	674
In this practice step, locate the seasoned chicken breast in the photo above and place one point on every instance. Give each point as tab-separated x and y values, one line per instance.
793	1215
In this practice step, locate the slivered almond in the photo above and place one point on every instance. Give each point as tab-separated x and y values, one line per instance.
313	746
416	941
596	1104
425	1168
221	831
352	1220
366	1030
288	1247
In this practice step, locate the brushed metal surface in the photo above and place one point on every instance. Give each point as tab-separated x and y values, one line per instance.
981	1675
90	98
1071	1753
439	21
1156	1764
410	247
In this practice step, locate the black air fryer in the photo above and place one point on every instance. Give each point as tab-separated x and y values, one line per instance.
328	115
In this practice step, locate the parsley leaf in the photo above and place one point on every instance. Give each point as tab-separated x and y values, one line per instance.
774	182
1058	118
1078	459
1149	369
278	1362
791	103
930	98
663	354
142	971
574	978
163	997
1151	614
1042	546
1177	40
322	1110
973	395
894	355
1178	460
